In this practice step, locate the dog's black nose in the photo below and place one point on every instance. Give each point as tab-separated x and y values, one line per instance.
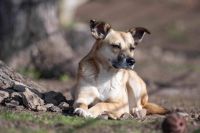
130	61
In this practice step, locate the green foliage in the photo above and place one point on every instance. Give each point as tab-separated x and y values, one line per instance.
30	72
64	77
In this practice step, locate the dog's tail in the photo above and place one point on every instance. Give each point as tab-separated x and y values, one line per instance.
153	108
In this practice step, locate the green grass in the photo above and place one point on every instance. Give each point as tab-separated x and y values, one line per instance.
30	72
22	130
197	131
64	77
51	122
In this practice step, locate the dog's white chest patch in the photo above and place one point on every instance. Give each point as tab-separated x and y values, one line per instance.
109	85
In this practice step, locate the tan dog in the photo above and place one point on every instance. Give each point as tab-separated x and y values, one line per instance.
106	81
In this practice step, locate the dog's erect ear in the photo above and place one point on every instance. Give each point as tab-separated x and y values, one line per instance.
99	29
138	34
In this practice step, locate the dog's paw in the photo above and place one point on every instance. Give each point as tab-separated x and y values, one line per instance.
83	113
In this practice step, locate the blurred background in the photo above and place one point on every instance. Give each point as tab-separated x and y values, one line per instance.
45	40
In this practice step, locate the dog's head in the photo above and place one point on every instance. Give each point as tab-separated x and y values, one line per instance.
116	48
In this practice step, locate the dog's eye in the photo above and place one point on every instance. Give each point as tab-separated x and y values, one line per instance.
132	48
116	46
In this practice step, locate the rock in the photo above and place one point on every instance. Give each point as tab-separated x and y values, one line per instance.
31	100
54	97
54	109
126	116
63	106
195	116
198	118
12	104
9	80
70	102
69	111
174	123
179	109
19	107
41	108
140	114
103	116
9	90
16	90
184	114
17	97
49	105
3	95
20	87
194	123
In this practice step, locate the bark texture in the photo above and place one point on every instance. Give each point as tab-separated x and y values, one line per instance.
30	36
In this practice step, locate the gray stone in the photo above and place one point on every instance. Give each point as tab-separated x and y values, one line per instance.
54	109
49	105
31	100
103	116
183	114
19	107
41	108
3	95
63	106
126	116
12	104
17	96
140	114
19	88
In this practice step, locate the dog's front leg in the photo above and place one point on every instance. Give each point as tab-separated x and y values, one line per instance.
137	87
85	96
113	109
82	110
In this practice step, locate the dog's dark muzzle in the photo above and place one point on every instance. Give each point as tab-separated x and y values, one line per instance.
124	62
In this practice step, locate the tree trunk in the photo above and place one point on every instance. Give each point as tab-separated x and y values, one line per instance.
30	36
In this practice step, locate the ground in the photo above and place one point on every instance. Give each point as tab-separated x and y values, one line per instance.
168	60
26	121
13	121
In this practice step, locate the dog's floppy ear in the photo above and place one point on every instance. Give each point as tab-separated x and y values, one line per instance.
99	29
138	34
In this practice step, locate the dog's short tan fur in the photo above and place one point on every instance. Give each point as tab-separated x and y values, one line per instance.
102	88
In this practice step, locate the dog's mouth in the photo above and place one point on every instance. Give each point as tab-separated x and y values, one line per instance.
122	66
125	63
